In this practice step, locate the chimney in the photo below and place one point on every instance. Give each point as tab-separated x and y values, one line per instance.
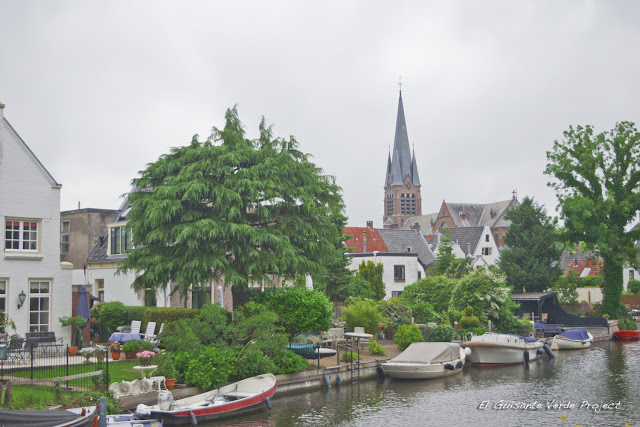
415	226
364	242
370	225
468	249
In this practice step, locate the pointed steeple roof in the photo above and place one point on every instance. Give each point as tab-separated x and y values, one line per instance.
415	178
388	176
402	160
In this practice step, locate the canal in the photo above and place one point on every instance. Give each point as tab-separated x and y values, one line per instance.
570	390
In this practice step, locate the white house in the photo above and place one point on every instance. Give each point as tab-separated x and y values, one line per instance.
30	263
399	269
477	243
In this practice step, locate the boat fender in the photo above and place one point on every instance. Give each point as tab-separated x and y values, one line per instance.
459	364
526	356
326	381
267	402
449	366
339	380
194	420
380	372
143	410
549	352
468	351
539	351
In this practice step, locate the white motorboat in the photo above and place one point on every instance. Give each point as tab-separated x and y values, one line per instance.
572	339
424	360
493	349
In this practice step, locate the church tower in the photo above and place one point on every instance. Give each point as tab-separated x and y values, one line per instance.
402	198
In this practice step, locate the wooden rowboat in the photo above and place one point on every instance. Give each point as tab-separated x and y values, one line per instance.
627	335
246	395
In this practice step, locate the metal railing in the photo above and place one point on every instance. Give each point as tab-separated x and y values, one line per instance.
354	362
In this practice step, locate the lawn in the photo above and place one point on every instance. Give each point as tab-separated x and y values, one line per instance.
118	371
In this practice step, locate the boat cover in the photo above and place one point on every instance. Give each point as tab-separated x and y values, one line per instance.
528	339
429	352
576	334
36	418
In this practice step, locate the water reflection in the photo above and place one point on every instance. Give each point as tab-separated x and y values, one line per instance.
606	373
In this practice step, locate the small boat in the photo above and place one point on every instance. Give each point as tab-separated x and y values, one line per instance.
572	339
627	335
424	360
130	420
76	417
243	396
492	349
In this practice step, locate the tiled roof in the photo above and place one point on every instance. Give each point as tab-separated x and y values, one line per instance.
356	242
595	267
490	214
569	258
466	237
424	221
403	240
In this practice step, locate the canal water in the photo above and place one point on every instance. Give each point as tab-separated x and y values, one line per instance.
598	386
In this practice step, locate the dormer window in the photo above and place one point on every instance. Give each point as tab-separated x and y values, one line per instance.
119	239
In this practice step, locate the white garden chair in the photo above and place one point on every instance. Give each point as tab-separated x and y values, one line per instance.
150	332
135	326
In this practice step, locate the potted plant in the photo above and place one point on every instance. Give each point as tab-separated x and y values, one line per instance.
115	348
87	353
130	348
145	357
76	321
168	370
100	351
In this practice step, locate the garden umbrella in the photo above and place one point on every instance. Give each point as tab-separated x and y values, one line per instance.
220	296
82	311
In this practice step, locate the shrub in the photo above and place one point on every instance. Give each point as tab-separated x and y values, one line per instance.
435	290
423	312
136	313
590	282
163	315
349	356
287	362
566	287
252	361
361	313
376	348
454	316
211	367
627	324
166	365
406	335
299	309
130	346
469	320
634	286
110	315
463	333
441	333
180	336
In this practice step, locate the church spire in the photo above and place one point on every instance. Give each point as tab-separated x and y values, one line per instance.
415	178
401	149
388	176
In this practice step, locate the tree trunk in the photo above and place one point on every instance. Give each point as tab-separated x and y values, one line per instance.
613	284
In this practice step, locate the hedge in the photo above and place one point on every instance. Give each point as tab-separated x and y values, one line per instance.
168	314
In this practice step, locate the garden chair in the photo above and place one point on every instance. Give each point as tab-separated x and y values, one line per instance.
150	332
15	350
334	336
155	339
135	326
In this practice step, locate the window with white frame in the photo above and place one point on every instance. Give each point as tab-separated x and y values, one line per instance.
631	274
39	305
396	294
486	251
3	295
21	235
64	237
120	240
398	272
100	289
486	238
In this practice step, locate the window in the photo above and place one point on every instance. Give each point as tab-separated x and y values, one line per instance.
150	298
100	289
631	274
486	238
419	274
120	240
3	296
396	294
200	296
64	237
39	299
398	272
486	251
21	235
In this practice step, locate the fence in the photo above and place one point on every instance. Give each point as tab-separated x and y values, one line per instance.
49	365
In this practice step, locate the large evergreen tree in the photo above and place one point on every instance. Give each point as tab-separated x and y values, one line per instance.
532	248
597	187
232	209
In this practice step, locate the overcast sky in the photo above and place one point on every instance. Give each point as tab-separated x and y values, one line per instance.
99	89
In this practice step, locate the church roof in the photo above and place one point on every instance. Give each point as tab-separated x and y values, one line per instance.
402	164
474	214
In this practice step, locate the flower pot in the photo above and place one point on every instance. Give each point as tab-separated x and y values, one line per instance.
145	361
115	356
96	340
99	355
170	383
130	354
72	351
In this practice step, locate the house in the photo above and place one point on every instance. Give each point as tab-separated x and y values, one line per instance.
476	243
104	260
35	286
404	254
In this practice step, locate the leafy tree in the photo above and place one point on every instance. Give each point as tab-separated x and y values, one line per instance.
336	278
372	273
231	209
435	290
597	179
361	313
567	287
407	335
634	286
446	262
531	254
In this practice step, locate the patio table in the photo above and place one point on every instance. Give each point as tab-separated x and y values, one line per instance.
124	337
357	336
